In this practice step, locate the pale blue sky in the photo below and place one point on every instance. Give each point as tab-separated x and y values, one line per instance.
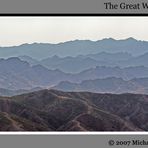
19	30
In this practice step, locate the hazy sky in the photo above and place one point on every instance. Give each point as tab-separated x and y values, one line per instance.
19	30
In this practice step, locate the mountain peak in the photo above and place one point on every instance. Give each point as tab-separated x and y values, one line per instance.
131	39
14	59
55	57
112	39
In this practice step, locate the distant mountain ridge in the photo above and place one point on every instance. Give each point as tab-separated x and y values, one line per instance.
47	65
75	48
9	93
17	74
83	62
108	85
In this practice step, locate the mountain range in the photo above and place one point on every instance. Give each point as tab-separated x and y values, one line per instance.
9	93
83	62
16	74
79	85
75	48
52	110
108	85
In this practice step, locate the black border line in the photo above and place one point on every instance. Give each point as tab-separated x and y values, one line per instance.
72	14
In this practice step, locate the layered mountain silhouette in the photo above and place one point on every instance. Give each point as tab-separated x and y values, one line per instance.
136	61
110	57
75	48
28	59
83	62
51	110
71	64
7	92
100	72
107	85
78	64
79	85
16	74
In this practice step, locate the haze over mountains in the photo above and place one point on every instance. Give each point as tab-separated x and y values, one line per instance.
75	86
79	63
75	48
107	85
16	74
74	63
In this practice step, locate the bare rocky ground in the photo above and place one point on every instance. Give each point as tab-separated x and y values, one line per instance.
52	110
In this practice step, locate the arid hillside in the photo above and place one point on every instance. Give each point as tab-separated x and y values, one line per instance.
52	110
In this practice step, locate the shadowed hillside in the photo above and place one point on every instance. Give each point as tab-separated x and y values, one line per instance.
52	110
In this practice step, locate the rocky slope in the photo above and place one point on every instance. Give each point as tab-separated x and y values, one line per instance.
52	110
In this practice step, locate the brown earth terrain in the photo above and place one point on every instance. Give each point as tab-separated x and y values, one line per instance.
52	110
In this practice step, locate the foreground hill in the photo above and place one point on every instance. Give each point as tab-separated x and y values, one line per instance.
51	110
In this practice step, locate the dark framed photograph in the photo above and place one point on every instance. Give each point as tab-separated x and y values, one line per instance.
71	73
